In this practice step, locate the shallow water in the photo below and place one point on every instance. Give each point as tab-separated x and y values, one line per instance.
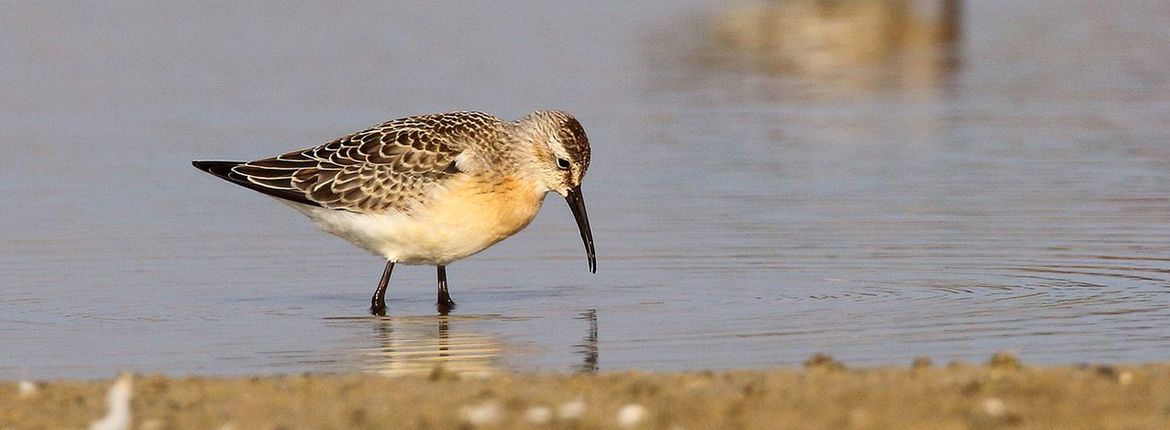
1014	196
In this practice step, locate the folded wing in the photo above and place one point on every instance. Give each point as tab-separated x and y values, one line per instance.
390	167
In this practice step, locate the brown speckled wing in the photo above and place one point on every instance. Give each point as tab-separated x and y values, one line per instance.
390	167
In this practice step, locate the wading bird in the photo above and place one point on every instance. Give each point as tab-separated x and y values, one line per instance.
428	189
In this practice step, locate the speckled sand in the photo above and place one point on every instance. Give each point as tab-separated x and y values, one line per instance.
825	394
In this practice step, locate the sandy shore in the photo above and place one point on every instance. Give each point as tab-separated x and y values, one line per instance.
822	395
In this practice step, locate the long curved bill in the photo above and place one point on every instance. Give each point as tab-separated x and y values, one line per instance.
577	204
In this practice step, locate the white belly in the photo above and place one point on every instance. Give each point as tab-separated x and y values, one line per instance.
458	225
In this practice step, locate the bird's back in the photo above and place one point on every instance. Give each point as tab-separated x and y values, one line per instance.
392	166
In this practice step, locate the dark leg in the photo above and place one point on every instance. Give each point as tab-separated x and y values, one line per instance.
378	302
445	304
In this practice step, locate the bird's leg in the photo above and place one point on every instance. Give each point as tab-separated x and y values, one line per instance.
378	302
445	304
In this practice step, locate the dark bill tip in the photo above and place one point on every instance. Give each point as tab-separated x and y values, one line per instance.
577	205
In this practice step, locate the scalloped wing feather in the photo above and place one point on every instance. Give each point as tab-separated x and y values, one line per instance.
389	167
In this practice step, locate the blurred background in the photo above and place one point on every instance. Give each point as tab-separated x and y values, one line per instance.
876	180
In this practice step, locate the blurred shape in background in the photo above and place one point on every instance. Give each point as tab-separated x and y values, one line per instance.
840	38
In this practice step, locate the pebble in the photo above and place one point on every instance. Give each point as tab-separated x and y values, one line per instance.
994	407
1005	360
823	361
921	363
571	410
1125	377
26	389
539	415
483	414
629	416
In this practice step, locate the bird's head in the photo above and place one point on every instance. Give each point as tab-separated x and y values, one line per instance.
560	157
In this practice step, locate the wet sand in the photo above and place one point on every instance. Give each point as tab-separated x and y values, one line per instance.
1002	393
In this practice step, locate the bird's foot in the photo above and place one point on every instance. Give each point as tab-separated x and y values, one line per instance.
445	306
378	311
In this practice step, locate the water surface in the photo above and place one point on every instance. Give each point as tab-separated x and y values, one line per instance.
1010	192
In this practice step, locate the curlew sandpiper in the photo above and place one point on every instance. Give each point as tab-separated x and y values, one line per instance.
428	189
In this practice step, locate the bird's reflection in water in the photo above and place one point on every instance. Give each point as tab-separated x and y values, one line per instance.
588	346
406	345
411	345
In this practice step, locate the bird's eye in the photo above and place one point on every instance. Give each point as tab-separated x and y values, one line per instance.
562	164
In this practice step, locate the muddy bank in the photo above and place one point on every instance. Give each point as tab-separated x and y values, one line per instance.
824	394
